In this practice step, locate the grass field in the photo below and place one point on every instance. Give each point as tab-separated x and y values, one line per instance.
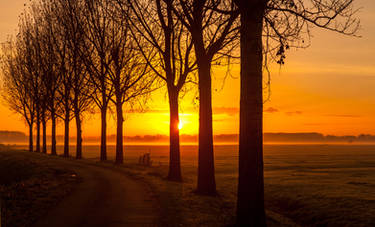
308	185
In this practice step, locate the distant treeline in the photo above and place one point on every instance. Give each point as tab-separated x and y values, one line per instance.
8	137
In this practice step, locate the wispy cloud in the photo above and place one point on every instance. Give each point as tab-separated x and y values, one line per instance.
291	113
226	110
343	115
234	110
271	110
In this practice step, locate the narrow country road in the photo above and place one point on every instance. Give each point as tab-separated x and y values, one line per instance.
104	198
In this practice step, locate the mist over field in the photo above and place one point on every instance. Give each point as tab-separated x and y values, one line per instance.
16	137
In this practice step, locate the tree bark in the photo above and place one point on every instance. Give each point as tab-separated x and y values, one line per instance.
53	136
37	149
174	138
79	135
119	135
250	200
44	126
31	145
66	132
103	141
206	168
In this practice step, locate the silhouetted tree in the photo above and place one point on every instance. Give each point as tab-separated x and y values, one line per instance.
27	39
97	59
128	71
17	84
41	97
212	34
66	39
52	76
46	63
285	22
64	97
172	61
71	23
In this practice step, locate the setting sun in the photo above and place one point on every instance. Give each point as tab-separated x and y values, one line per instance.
180	125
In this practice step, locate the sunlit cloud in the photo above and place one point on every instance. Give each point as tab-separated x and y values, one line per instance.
291	113
271	110
343	115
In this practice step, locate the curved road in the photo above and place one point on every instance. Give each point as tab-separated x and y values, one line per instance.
106	197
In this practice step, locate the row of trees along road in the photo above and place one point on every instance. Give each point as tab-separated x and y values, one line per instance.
67	58
72	57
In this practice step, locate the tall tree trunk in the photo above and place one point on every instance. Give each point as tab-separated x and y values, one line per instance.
31	145
250	200
103	138
119	136
206	169
53	136
174	137
66	132
79	135
37	149
44	126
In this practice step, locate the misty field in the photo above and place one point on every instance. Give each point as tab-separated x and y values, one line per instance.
309	185
319	185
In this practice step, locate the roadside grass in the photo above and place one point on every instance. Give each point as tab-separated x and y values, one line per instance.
30	186
315	190
325	187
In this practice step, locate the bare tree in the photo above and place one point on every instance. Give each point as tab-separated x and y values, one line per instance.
65	90
17	84
50	46
128	72
286	23
172	61
27	39
38	38
41	97
212	34
51	76
97	59
72	24
33	54
64	66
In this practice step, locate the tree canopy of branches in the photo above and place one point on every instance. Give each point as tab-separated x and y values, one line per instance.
212	33
17	86
128	71
51	73
97	20
28	54
76	88
118	73
69	55
169	53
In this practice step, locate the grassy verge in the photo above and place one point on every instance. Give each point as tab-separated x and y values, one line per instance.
318	189
30	186
297	193
181	206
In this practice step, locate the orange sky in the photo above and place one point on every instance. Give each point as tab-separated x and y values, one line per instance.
327	88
